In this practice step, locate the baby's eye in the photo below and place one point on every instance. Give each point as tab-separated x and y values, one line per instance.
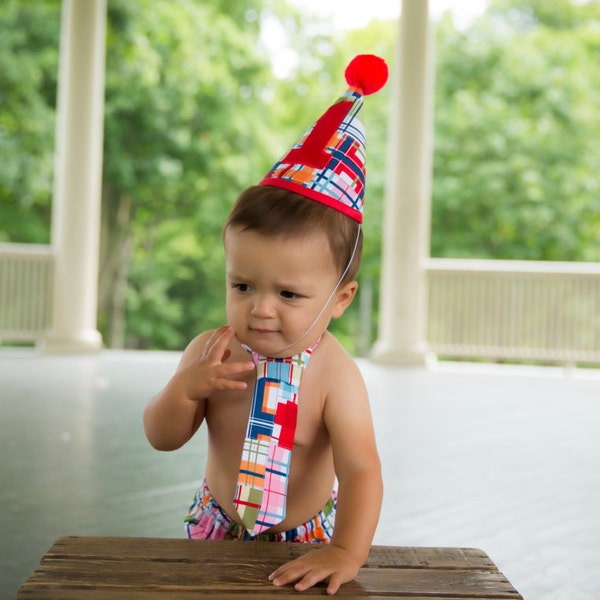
289	295
241	287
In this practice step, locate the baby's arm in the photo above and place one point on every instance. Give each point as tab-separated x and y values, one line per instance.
358	469
172	417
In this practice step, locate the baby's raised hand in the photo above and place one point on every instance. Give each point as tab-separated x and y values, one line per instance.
209	372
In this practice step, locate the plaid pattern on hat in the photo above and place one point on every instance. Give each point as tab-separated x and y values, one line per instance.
328	163
335	176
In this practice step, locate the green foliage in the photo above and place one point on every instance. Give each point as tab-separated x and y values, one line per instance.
28	74
516	153
182	139
194	115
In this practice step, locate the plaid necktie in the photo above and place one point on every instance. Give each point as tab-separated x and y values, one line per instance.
260	494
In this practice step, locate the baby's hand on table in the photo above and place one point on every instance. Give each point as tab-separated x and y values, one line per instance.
209	372
329	563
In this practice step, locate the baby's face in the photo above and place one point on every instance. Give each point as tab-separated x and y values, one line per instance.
276	288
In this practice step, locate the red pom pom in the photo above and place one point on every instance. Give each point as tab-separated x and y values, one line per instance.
367	72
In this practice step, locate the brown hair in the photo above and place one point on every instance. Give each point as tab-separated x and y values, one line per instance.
273	212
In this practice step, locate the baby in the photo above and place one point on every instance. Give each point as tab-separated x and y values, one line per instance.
285	406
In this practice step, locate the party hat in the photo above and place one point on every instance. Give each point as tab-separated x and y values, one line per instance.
327	164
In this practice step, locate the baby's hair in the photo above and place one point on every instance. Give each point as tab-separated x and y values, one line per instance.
274	212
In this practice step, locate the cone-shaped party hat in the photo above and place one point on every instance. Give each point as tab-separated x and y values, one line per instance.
328	163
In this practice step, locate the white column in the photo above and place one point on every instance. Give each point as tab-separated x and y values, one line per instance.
78	176
403	299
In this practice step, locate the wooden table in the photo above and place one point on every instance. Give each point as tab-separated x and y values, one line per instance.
102	568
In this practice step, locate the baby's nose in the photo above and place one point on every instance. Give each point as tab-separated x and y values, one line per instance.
263	306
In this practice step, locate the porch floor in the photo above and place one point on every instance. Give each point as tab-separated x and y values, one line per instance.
501	458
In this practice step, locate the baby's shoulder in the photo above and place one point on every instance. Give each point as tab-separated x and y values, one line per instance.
332	357
337	376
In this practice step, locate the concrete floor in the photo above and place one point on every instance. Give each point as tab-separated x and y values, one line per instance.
502	458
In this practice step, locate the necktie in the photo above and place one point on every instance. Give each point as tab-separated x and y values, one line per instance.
260	494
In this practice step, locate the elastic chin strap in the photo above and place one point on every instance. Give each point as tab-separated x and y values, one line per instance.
335	289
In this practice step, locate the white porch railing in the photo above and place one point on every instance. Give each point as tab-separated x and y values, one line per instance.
26	292
538	311
489	309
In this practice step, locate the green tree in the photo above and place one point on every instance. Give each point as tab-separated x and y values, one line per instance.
194	115
181	140
28	74
516	153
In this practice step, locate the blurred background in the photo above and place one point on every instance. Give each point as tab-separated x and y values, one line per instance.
202	97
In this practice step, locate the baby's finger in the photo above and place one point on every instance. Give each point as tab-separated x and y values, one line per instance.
335	582
278	574
229	385
288	573
212	340
218	343
234	368
311	578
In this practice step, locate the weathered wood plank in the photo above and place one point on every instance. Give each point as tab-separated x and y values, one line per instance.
430	558
253	578
157	569
182	550
280	594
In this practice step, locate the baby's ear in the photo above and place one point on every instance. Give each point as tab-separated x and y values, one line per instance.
344	298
